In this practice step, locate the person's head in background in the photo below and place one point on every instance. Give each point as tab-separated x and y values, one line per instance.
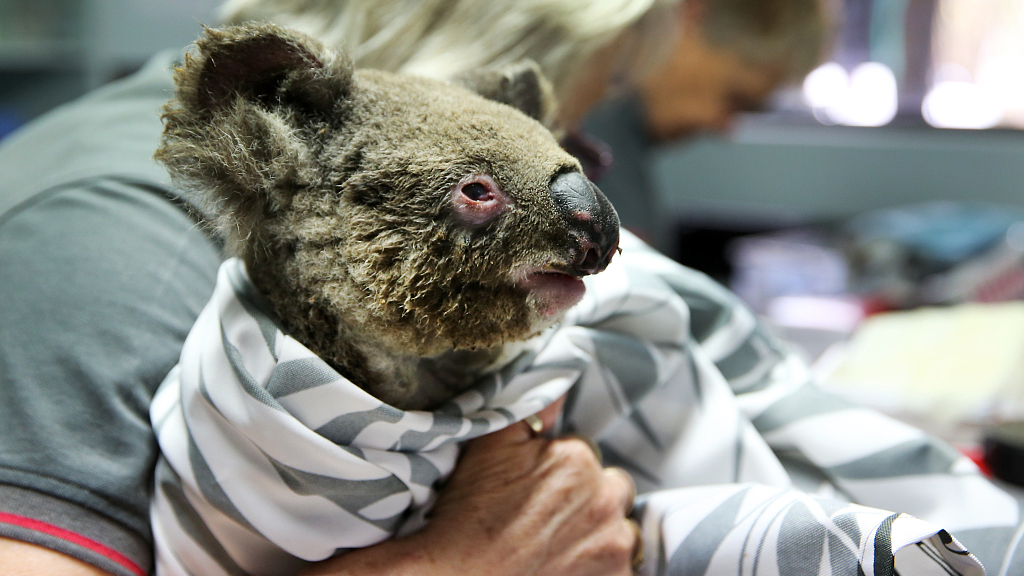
582	46
730	56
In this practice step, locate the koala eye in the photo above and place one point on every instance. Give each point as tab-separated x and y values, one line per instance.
477	199
477	192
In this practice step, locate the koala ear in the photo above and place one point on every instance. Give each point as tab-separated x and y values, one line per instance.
520	85
229	134
261	62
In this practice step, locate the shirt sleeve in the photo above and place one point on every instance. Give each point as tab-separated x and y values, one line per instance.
100	281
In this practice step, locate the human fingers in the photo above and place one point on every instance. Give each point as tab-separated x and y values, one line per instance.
544	420
549	415
609	548
637	553
620	475
530	427
595	537
517	433
637	557
542	507
590	442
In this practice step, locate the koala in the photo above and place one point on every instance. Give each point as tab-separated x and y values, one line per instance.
407	230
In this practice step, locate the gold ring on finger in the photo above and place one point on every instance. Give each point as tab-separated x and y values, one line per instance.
535	424
637	558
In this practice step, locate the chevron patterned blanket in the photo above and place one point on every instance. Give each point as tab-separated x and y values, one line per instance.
271	459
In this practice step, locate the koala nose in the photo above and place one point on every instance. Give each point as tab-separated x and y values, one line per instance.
591	220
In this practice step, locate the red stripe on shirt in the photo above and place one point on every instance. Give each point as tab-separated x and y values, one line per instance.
68	536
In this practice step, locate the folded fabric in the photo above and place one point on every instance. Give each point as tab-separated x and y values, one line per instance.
271	459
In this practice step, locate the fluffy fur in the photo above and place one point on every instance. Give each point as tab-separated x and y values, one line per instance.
351	197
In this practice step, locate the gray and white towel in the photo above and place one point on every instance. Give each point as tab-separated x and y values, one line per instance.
271	459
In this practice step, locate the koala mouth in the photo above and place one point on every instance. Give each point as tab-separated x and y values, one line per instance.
554	291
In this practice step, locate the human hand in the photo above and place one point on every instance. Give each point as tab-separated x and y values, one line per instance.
535	506
515	505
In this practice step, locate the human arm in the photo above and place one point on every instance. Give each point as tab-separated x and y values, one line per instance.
515	505
101	282
101	277
23	559
528	504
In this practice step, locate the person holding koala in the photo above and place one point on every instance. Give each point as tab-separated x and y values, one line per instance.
728	59
106	274
104	270
400	240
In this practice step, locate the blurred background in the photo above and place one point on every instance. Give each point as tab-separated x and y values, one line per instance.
873	214
54	50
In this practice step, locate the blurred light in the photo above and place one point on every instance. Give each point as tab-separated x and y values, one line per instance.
873	96
979	43
818	312
866	97
825	85
1003	75
953	72
1015	236
955	104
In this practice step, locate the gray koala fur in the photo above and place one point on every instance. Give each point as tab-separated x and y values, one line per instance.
404	229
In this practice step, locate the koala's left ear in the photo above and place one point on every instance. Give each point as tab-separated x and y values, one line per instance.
520	85
261	62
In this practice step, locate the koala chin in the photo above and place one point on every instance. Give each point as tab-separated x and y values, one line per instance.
404	229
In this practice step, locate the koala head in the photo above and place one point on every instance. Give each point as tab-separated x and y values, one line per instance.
402	228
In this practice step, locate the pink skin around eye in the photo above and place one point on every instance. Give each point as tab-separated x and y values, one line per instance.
478	199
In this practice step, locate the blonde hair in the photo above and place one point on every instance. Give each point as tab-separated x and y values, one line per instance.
443	38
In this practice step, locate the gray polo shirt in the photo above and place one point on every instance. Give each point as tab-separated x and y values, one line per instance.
102	273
